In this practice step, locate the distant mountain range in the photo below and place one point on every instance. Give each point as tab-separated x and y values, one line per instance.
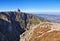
52	18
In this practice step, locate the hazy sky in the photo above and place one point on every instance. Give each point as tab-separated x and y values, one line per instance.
31	5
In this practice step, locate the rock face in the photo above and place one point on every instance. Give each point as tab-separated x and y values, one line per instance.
13	24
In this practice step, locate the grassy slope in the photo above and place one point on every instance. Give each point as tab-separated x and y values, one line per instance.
42	33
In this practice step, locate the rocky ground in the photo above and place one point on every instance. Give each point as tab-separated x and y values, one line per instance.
44	31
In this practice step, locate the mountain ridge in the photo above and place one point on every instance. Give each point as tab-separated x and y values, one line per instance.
42	32
14	23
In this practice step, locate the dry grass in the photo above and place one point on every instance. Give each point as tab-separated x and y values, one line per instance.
34	21
51	36
41	33
45	31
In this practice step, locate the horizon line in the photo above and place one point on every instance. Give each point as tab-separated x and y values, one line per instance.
32	11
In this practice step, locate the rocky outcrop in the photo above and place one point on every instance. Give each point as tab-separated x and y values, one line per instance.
13	24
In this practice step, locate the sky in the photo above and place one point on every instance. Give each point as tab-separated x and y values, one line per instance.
30	5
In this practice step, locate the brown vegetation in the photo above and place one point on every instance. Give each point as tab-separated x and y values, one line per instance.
51	36
41	33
